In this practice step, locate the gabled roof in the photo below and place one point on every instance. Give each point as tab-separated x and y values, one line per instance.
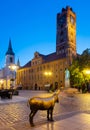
46	58
26	65
52	57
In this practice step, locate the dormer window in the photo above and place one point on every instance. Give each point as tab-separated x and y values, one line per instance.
36	54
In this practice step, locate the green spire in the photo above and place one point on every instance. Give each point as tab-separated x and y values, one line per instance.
18	62
10	51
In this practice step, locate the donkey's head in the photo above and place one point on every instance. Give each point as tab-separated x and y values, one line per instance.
56	96
56	99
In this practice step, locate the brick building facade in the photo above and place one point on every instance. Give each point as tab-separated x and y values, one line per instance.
44	70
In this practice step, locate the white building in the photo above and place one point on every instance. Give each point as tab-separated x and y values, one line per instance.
8	73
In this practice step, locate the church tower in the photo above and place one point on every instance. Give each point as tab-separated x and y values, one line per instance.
10	56
66	34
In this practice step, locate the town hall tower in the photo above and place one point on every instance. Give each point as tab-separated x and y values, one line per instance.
66	34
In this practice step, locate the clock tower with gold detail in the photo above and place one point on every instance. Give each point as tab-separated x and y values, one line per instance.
66	34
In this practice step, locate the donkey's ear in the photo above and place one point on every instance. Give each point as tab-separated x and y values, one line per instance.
57	91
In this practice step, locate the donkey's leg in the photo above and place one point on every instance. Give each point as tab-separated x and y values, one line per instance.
34	112
31	116
51	114
48	114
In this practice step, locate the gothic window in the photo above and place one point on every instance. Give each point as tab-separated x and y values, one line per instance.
43	67
11	59
62	20
37	69
40	68
59	51
71	33
61	33
61	25
71	40
29	70
47	66
56	76
61	40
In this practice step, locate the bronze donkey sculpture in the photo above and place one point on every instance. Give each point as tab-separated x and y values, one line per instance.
39	103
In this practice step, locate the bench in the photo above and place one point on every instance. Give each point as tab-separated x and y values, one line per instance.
14	91
5	94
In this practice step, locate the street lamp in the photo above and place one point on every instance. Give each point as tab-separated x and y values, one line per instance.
47	74
86	73
13	69
86	76
1	83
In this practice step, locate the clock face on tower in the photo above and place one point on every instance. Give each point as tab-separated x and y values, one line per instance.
71	19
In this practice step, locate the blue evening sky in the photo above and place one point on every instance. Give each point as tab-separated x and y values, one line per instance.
31	25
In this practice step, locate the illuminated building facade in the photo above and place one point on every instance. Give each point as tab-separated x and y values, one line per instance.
7	75
44	70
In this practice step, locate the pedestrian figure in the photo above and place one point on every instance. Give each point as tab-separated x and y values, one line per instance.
79	88
89	86
83	88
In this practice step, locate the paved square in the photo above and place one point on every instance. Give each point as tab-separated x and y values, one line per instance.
69	114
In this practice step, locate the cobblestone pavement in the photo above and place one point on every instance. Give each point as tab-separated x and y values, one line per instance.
15	116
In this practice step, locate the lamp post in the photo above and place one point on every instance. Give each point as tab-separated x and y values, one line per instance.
13	69
87	71
86	74
47	75
1	83
86	78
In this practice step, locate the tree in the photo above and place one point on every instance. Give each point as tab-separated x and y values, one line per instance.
84	60
77	68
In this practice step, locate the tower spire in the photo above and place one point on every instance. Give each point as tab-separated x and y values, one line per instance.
18	62
10	50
